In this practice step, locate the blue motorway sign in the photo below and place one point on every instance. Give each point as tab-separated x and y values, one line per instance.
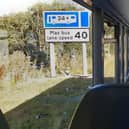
66	19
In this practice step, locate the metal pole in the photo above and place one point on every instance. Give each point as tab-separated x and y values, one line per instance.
117	59
121	54
97	46
84	55
52	60
128	50
125	54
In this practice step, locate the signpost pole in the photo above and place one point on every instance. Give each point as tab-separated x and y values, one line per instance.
52	60
84	55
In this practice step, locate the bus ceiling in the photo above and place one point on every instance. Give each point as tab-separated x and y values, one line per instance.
116	10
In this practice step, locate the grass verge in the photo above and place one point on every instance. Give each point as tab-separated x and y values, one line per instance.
48	104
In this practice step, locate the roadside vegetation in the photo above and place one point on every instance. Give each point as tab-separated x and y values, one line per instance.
31	99
29	53
47	104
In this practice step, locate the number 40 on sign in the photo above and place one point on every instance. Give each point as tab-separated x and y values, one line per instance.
67	35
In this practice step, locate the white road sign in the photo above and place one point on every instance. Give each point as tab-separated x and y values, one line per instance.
67	35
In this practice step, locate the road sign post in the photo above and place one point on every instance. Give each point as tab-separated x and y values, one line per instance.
66	26
52	60
84	55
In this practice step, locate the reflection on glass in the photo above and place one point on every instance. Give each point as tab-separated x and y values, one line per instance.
89	2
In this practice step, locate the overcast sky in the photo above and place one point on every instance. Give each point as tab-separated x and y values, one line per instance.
11	6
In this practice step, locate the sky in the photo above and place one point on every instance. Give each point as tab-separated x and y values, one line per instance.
13	6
